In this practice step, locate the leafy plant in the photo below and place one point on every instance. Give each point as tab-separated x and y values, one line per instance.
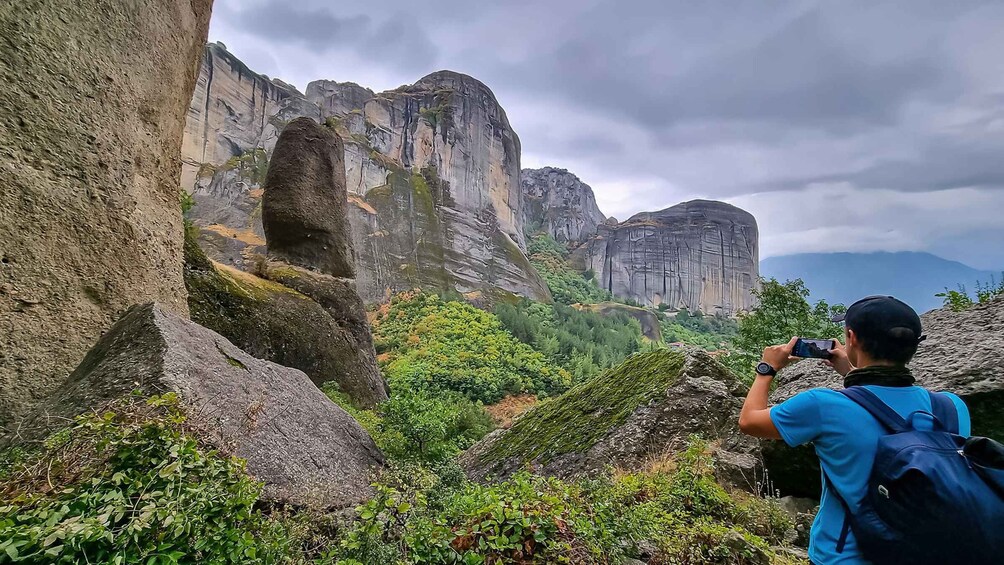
129	485
427	344
567	285
782	311
958	300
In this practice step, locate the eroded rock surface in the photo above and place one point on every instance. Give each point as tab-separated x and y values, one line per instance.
556	202
646	407
961	354
432	174
275	322
700	255
306	449
91	123
304	205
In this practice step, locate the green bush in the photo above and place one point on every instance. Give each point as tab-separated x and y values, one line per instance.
427	344
129	485
684	514
958	300
584	343
567	285
782	312
708	332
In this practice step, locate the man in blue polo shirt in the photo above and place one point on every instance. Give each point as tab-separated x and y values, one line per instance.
881	337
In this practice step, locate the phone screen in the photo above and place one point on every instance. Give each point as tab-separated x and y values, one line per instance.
813	348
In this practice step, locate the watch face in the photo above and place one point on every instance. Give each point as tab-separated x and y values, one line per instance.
764	369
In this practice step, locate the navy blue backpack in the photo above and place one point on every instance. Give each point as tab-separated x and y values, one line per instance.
933	497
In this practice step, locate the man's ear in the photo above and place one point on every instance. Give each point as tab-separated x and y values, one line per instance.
850	339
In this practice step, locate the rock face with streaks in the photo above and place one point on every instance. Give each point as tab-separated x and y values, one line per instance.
305	449
432	173
700	255
91	123
556	202
961	354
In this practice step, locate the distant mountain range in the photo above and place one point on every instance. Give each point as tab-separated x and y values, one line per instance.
912	277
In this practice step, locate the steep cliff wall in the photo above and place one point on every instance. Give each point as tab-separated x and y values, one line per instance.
432	172
557	202
91	121
701	255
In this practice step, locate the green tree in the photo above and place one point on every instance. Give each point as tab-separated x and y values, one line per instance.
782	312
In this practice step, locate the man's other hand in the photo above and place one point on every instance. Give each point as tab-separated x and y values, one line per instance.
779	356
838	359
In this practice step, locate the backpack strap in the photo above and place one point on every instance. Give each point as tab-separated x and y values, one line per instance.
945	411
845	530
886	416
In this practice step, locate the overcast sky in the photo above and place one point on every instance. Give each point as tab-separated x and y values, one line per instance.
841	125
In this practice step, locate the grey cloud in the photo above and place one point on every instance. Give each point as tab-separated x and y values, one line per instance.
389	40
659	100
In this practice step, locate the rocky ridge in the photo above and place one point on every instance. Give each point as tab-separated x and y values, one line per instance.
701	255
556	202
432	175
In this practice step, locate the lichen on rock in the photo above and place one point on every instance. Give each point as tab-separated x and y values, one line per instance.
649	405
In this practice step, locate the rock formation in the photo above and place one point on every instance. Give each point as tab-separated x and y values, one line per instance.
274	322
961	354
304	312
432	174
306	449
304	203
558	203
648	406
92	119
648	320
700	255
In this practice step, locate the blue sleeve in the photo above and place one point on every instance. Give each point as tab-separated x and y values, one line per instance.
798	418
965	426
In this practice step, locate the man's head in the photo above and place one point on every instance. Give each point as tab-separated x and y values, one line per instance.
881	330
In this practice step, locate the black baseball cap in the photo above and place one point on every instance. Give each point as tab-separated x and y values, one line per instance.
883	318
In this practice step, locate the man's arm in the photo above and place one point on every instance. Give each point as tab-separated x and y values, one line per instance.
754	419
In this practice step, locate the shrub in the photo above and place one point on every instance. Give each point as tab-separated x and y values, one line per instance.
567	285
683	514
427	344
958	300
130	485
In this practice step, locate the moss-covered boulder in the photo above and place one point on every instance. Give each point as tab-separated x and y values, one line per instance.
961	354
275	322
648	406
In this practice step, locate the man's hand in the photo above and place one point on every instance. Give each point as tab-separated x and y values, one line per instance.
779	356
838	359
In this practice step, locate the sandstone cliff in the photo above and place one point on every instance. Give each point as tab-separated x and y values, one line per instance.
556	202
700	255
91	124
432	175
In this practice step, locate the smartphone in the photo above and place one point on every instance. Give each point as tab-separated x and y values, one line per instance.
812	348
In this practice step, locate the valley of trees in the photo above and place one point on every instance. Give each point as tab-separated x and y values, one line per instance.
448	364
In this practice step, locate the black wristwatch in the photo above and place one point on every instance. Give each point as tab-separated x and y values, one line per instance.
764	369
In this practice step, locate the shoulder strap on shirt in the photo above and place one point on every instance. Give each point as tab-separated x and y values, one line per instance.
945	411
878	409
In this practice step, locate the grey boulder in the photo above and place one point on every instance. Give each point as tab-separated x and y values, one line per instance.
305	449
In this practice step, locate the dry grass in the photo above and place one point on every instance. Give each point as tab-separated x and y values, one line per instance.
244	235
505	411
